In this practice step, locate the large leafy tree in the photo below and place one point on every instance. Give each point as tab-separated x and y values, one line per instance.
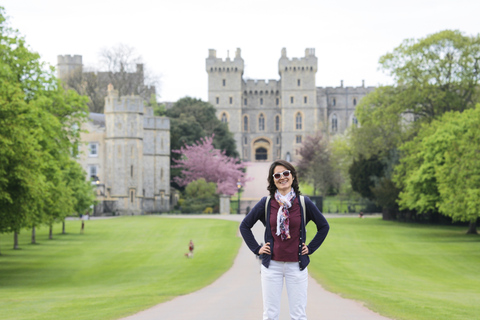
315	165
433	75
440	168
202	160
192	119
37	121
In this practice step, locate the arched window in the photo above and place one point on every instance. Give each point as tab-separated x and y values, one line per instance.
298	121
261	123
224	118
334	123
277	123
245	123
354	101
334	102
261	101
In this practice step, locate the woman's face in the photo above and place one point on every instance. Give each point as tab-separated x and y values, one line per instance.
284	184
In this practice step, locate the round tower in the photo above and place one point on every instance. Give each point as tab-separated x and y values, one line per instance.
124	145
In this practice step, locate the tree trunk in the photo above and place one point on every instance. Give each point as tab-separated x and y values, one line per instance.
472	228
15	241
63	227
33	235
50	233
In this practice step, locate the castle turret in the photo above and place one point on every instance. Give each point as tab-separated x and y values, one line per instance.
124	143
298	100
67	65
225	89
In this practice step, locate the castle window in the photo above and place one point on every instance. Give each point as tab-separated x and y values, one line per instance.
311	69
235	69
298	82
92	171
277	101
305	99
245	101
245	141
354	101
224	82
261	101
294	69
93	149
291	100
298	121
261	123
334	123
217	100
334	102
132	195
211	69
286	69
224	118
278	140
277	123
355	121
245	123
298	139
231	100
131	171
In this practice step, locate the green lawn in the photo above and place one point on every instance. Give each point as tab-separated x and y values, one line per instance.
404	271
117	267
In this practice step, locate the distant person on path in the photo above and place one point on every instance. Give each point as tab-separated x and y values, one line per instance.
284	254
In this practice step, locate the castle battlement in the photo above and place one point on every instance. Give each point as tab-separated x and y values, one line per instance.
268	84
307	63
156	123
215	64
69	59
114	103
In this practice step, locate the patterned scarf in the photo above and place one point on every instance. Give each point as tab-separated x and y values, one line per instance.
283	216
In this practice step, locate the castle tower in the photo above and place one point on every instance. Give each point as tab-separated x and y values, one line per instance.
124	149
298	101
156	162
225	90
67	65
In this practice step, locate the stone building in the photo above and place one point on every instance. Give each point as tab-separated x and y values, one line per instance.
270	118
126	152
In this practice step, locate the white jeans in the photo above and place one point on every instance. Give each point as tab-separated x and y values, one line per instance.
272	284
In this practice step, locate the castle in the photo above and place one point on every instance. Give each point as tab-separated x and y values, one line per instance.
270	119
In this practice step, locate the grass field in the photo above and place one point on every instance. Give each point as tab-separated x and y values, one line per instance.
117	267
404	271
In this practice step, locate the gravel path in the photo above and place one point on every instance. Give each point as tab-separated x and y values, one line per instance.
237	295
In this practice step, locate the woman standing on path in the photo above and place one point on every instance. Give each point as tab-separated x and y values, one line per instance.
284	253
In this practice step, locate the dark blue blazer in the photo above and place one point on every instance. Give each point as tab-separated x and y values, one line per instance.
258	213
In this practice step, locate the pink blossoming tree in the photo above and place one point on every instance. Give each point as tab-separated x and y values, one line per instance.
202	160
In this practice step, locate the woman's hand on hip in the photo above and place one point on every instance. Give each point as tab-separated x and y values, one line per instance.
265	249
304	249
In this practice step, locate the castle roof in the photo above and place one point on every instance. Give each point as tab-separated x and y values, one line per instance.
98	119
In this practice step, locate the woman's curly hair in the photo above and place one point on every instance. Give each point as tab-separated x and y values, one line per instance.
272	188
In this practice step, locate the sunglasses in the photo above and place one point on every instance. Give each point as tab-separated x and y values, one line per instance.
280	174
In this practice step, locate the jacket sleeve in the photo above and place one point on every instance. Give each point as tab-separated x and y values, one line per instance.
257	213
313	214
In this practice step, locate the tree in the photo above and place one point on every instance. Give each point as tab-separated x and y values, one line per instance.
361	173
433	75
315	165
192	119
37	118
440	168
200	195
436	74
202	160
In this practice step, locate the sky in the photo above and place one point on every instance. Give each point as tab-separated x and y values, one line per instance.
173	36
